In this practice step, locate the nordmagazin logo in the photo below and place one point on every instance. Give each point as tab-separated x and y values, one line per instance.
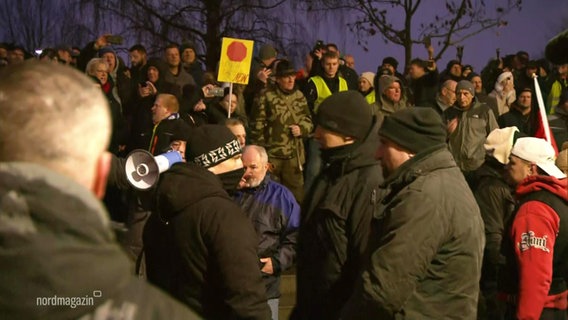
71	302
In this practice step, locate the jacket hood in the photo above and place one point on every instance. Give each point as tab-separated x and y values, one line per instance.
55	241
385	81
361	153
184	185
538	183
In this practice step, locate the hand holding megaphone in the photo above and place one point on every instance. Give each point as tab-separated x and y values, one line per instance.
143	169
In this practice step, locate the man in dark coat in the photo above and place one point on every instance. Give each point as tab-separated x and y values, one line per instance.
496	203
427	241
337	212
58	255
199	245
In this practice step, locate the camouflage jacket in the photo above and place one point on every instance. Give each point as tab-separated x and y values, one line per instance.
272	114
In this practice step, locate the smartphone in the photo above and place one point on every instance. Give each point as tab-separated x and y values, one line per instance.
143	84
114	39
217	91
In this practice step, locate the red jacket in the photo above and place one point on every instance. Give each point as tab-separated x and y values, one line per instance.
534	232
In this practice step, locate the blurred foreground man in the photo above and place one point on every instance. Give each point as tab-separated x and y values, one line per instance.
58	255
427	241
535	279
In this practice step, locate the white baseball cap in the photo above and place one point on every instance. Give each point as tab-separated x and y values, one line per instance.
539	152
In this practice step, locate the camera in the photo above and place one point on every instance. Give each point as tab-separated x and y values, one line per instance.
318	46
216	91
143	84
114	39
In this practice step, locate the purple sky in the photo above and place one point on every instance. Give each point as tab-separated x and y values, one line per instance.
528	30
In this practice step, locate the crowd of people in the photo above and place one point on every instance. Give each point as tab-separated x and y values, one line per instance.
412	194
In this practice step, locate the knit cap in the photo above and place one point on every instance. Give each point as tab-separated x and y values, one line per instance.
392	61
210	145
346	113
414	129
106	49
465	85
369	76
266	52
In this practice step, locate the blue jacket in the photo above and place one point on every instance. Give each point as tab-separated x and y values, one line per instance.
275	215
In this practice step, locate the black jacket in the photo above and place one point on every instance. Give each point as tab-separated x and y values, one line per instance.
56	245
201	248
335	227
496	204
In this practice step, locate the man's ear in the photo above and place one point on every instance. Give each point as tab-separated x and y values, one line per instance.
533	170
102	171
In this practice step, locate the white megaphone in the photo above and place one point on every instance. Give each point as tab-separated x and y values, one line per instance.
143	169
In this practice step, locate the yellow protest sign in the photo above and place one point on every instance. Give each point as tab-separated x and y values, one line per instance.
236	56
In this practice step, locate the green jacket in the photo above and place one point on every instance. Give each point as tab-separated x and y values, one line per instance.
426	246
466	142
272	115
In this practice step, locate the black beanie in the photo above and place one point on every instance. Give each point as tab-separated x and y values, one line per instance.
414	129
346	113
392	61
211	144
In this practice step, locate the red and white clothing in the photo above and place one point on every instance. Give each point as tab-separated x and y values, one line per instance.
536	233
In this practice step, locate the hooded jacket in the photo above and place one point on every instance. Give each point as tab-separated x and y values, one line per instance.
426	246
536	250
58	256
201	248
387	107
335	227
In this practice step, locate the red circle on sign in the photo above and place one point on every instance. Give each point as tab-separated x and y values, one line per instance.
236	51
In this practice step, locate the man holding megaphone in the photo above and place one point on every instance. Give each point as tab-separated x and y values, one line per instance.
199	245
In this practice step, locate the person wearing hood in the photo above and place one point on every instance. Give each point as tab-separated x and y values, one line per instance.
504	92
58	255
200	247
469	122
141	117
391	95
118	71
337	211
427	239
534	279
496	203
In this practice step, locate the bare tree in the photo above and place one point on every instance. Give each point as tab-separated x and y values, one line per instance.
204	22
404	22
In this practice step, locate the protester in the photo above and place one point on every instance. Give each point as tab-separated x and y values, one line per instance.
57	242
534	279
427	240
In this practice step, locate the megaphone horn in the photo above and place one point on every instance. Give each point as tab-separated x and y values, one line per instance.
143	169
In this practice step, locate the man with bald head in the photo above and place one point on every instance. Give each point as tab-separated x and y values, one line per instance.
58	254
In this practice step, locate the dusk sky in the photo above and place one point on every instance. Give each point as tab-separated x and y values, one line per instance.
528	30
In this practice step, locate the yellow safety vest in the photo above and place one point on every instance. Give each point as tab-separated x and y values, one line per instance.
323	90
370	97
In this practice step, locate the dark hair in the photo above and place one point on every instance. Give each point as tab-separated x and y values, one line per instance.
419	62
171	46
137	47
330	55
